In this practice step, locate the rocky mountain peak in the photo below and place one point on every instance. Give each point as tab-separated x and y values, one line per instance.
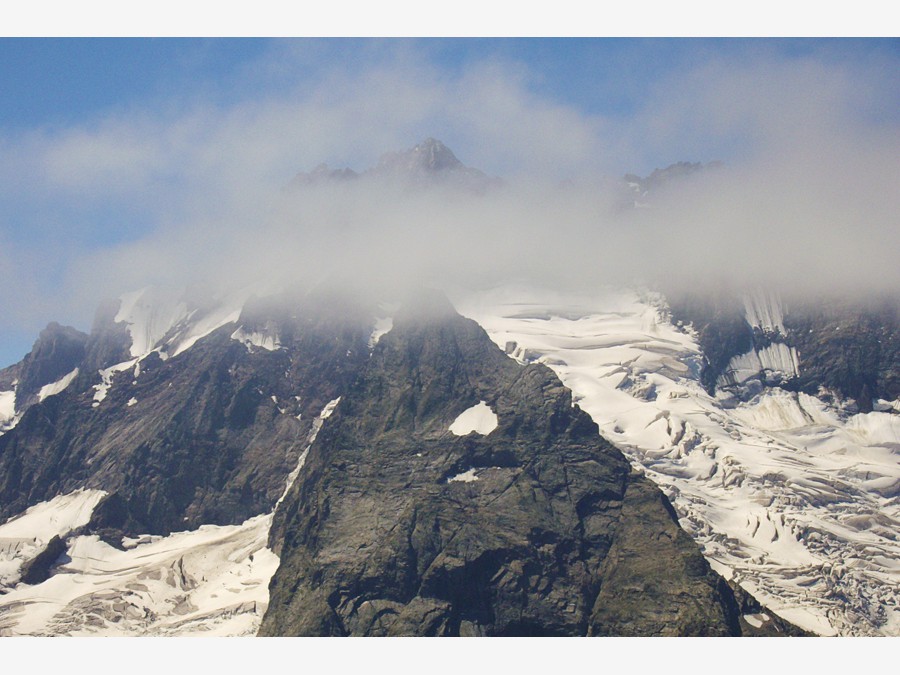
429	156
57	351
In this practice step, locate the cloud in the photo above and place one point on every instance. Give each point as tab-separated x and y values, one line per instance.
193	190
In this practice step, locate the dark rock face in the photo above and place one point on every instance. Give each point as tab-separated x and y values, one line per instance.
847	348
722	331
37	570
56	353
555	536
207	436
851	348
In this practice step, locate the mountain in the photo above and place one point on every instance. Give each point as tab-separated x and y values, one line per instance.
790	495
429	163
459	493
450	488
504	461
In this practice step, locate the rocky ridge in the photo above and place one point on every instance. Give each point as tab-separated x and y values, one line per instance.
396	526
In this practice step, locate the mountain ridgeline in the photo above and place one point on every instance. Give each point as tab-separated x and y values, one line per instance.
398	526
395	525
201	437
411	477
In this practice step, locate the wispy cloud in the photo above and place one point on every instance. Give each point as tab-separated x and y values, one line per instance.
807	198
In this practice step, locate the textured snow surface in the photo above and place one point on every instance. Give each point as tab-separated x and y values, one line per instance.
210	581
776	361
57	387
149	313
763	309
796	502
479	419
23	537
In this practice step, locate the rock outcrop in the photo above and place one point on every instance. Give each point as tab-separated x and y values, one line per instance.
207	436
397	526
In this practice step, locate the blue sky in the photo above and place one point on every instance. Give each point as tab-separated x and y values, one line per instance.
108	146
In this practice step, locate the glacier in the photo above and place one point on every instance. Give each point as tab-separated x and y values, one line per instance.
795	501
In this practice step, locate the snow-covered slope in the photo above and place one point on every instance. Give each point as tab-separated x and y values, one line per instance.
796	502
209	581
165	321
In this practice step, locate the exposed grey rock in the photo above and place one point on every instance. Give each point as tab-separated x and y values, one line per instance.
37	570
57	352
205	442
429	163
551	533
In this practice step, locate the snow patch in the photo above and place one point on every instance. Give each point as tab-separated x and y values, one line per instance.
754	620
267	339
58	386
480	419
22	537
199	329
464	477
106	380
7	406
382	326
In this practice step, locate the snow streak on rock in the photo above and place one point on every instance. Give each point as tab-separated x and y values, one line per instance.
264	339
774	361
310	439
797	501
57	387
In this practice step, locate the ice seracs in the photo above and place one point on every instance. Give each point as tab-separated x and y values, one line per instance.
795	501
479	419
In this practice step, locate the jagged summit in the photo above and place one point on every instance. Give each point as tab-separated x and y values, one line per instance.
429	156
427	163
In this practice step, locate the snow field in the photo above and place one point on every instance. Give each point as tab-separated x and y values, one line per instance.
790	498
